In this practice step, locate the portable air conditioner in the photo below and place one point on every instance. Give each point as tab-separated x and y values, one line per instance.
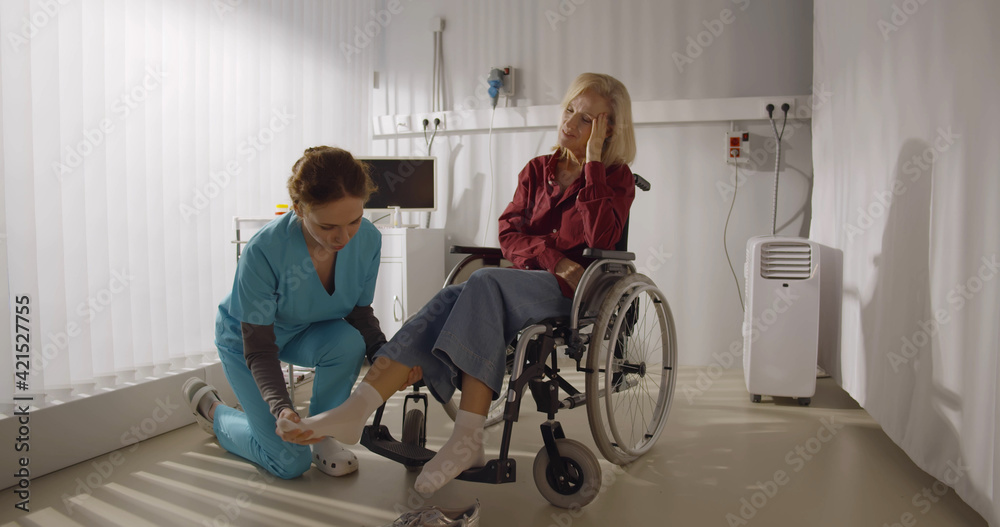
781	323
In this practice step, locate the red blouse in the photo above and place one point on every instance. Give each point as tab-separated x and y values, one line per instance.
542	226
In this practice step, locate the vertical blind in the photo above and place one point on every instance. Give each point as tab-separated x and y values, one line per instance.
132	133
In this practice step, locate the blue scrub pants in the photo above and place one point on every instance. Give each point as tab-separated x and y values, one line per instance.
466	327
335	349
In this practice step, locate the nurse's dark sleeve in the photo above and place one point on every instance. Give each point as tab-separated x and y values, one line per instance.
363	319
260	349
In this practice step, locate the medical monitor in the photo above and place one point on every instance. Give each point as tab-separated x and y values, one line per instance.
409	183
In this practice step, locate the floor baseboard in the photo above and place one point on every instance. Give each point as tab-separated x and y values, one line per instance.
63	435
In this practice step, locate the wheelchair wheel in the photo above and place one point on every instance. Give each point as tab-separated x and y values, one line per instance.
495	414
632	369
582	481
413	424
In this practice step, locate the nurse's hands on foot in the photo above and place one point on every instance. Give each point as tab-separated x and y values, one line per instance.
296	434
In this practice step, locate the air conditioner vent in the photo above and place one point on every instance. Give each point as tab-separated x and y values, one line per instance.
786	261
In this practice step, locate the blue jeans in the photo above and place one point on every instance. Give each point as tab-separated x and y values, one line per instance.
335	349
466	327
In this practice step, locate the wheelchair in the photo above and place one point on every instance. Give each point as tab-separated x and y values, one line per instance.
620	333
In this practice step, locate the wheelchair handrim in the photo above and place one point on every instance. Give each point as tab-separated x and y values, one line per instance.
666	381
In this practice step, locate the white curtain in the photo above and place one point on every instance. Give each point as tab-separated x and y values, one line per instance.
132	133
907	179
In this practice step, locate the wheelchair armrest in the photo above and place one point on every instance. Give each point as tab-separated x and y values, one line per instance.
490	257
601	254
485	251
641	183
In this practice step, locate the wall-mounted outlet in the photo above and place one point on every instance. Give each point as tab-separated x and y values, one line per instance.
777	102
508	85
402	123
439	117
737	147
425	121
507	89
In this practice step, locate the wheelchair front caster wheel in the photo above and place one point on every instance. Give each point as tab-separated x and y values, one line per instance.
804	401
754	398
413	426
579	481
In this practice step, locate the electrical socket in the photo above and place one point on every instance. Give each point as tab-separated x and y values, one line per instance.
429	117
507	90
440	117
777	102
737	147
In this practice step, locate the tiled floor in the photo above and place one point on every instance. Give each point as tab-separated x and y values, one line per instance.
721	461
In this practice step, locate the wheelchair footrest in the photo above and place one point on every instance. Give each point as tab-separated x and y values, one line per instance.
495	471
378	440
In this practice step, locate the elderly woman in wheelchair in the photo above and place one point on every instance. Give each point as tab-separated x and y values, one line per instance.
569	211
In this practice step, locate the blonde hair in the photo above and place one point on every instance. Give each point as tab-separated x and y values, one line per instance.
619	148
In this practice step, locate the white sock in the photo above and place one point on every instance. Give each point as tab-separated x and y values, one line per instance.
463	450
344	422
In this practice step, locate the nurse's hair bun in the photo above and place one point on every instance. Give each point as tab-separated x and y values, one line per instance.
326	173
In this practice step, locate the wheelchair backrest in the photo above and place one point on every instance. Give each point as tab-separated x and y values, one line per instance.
641	184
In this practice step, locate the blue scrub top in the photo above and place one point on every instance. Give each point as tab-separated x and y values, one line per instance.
276	283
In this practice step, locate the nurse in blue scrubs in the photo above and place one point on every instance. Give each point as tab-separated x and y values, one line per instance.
302	294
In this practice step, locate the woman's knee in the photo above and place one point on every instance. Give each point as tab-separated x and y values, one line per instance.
489	273
447	296
487	278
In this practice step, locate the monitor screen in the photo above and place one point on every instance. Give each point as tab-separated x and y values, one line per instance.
409	183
